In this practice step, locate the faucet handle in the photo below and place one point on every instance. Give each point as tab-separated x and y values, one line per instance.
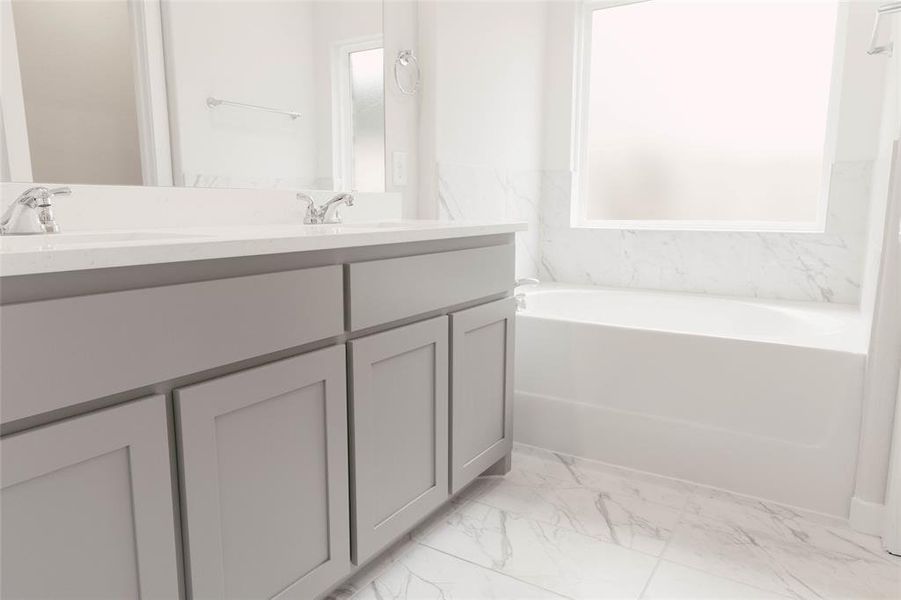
331	210
311	216
60	191
39	196
346	197
328	212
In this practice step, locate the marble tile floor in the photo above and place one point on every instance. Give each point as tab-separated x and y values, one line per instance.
559	527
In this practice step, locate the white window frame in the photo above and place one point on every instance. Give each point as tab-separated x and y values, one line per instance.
582	75
151	97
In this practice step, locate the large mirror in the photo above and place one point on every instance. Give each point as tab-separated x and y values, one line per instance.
268	94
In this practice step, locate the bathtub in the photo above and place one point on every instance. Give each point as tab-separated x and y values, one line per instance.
757	397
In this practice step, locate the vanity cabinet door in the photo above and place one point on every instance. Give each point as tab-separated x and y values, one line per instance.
265	477
399	425
87	507
481	389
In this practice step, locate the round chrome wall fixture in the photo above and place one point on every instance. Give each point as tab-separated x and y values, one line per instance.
405	58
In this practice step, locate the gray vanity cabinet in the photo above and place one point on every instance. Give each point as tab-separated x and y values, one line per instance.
276	480
87	507
265	479
399	431
481	389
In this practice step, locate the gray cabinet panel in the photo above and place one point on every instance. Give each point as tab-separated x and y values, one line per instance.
87	507
382	291
481	389
182	329
399	424
264	462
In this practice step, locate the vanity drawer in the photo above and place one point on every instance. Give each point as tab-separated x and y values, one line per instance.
388	290
62	352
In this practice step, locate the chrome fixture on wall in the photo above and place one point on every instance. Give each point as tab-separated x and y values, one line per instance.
406	58
885	9
520	298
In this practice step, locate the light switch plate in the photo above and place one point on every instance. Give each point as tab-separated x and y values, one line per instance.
399	168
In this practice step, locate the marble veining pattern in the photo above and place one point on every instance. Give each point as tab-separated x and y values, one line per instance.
212	180
823	267
465	192
564	527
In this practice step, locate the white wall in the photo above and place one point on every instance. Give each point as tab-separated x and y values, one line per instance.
252	52
481	143
402	120
880	304
489	78
4	155
78	81
891	529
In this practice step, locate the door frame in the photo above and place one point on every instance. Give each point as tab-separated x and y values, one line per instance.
151	99
342	107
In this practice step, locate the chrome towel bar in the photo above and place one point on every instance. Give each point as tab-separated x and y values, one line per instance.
214	102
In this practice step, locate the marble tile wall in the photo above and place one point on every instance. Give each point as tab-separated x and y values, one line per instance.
216	180
824	267
473	193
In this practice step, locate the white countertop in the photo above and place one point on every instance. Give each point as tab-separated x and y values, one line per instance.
78	250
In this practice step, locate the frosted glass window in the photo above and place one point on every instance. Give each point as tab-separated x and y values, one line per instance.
708	111
368	99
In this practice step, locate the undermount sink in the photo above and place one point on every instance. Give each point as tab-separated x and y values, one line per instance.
13	243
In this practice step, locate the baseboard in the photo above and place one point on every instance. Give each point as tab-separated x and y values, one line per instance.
866	517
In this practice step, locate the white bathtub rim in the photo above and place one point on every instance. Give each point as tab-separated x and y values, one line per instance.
857	344
802	304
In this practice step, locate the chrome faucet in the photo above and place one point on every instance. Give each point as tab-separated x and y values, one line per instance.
328	213
32	212
520	298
